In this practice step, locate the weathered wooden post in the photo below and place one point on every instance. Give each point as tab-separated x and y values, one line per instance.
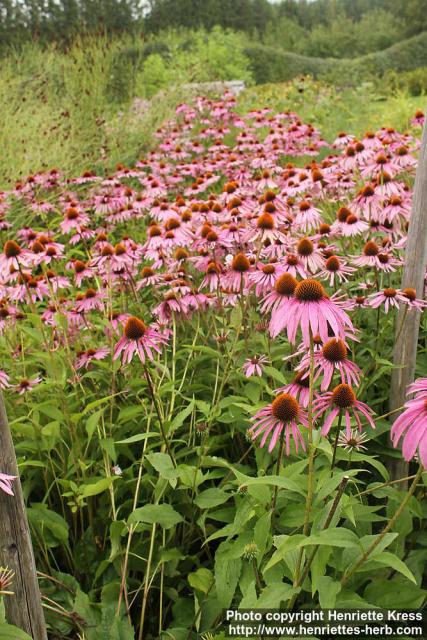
408	323
24	608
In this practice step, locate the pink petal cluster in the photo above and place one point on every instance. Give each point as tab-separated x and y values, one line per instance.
411	425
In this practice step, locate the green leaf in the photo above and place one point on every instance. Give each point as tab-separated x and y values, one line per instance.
275	374
262	533
190	476
107	444
10	632
337	537
211	498
202	580
284	544
96	488
328	590
182	416
362	457
386	539
334	537
325	488
227	573
51	411
53	527
162	514
391	560
163	465
130	412
274	594
92	422
117	527
390	594
274	481
96	403
137	438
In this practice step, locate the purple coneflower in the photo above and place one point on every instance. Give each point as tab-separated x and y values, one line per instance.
311	310
332	357
283	413
27	384
84	358
264	277
336	269
284	288
389	297
341	400
140	339
294	265
353	441
236	277
299	388
4	380
6	483
12	258
254	366
91	300
369	257
309	255
412	424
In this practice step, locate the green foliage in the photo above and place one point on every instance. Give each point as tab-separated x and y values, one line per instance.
74	110
334	109
222	524
403	56
244	15
412	82
342	37
63	20
270	64
9	632
320	28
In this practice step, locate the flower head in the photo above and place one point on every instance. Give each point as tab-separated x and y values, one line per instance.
138	339
311	310
331	358
6	579
341	399
6	483
254	366
27	384
284	413
352	442
412	424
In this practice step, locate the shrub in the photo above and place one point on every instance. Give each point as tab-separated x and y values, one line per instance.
412	82
273	65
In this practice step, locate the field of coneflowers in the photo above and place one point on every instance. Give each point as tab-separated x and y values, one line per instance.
196	357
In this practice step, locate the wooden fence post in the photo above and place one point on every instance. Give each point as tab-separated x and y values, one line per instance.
408	324
24	608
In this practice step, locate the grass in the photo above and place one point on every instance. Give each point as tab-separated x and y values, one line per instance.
58	110
66	110
354	110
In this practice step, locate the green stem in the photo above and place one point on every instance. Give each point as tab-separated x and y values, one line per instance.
278	466
147	582
328	521
159	415
385	484
334	454
310	485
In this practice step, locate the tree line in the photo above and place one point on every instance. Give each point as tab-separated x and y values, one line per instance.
317	28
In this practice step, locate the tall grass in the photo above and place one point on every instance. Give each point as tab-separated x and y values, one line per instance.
72	109
333	109
57	109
